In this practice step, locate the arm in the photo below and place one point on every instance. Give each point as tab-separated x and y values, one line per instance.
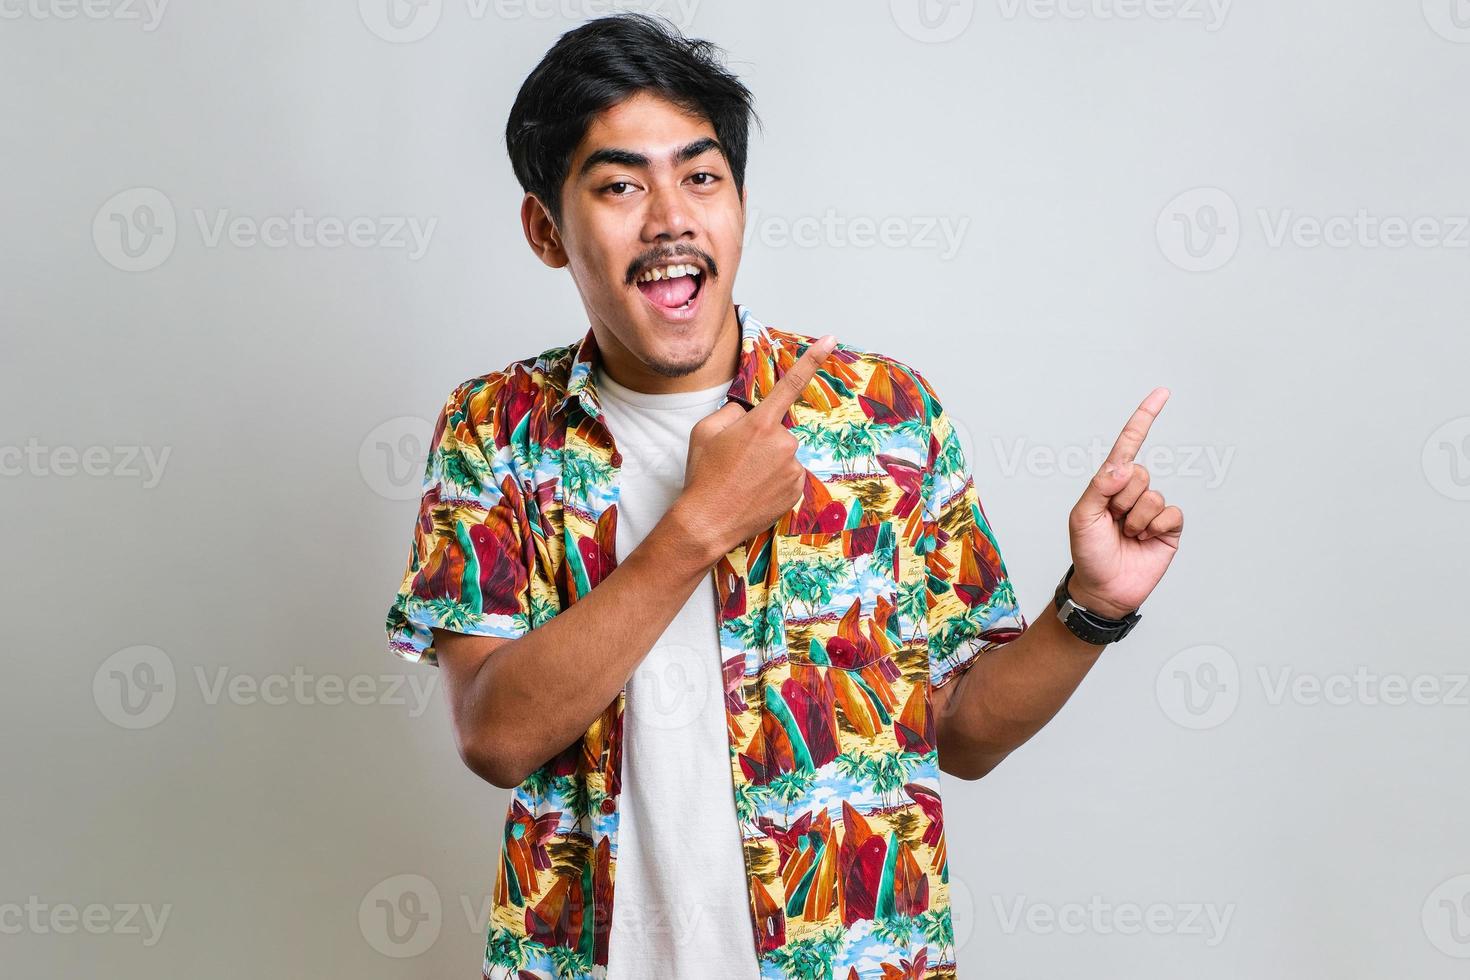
540	692
1122	538
1008	695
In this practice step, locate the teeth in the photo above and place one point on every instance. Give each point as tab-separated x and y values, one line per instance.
669	272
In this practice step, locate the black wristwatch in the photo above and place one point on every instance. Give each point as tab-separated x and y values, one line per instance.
1089	626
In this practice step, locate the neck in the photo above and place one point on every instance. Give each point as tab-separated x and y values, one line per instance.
625	367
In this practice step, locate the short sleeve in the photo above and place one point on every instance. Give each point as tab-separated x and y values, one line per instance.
972	604
469	569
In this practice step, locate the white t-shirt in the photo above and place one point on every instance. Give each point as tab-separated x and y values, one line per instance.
679	893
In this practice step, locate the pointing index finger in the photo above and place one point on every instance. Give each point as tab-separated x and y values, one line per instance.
795	380
1130	440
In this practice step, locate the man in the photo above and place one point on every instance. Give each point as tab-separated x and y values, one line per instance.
715	599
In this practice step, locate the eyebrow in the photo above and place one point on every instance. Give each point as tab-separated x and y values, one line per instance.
632	158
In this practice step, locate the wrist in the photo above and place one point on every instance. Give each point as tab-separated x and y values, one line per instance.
1091	603
694	534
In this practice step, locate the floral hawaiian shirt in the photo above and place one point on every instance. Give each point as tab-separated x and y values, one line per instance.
834	624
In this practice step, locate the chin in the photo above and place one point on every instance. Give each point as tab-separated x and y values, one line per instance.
678	342
674	357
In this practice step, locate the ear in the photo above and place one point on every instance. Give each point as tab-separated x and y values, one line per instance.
541	233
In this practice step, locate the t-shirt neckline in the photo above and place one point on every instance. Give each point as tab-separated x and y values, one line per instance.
663	400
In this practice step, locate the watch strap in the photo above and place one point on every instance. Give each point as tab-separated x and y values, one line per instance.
1087	625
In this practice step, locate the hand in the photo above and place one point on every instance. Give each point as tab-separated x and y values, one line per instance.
742	472
1122	535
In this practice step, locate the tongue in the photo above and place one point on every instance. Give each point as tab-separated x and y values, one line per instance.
670	293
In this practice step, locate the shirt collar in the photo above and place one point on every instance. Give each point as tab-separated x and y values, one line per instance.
757	358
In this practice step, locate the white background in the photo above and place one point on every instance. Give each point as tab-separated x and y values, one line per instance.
1134	189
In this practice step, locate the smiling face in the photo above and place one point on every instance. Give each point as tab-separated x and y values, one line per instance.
652	230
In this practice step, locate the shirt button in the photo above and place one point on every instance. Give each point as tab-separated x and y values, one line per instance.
609	805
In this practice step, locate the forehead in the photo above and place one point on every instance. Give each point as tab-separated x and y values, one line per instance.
644	123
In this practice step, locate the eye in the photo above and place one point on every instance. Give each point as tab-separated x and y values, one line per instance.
705	173
609	189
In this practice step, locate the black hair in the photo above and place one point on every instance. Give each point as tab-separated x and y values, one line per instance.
602	63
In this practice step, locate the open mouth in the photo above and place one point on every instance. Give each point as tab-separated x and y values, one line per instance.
672	288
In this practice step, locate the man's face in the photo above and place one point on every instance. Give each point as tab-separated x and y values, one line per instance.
648	189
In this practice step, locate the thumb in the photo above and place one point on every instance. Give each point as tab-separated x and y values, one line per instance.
721	419
1108	481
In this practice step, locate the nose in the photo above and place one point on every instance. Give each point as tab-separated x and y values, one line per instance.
668	218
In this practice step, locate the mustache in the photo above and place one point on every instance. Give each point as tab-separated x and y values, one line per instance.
663	257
